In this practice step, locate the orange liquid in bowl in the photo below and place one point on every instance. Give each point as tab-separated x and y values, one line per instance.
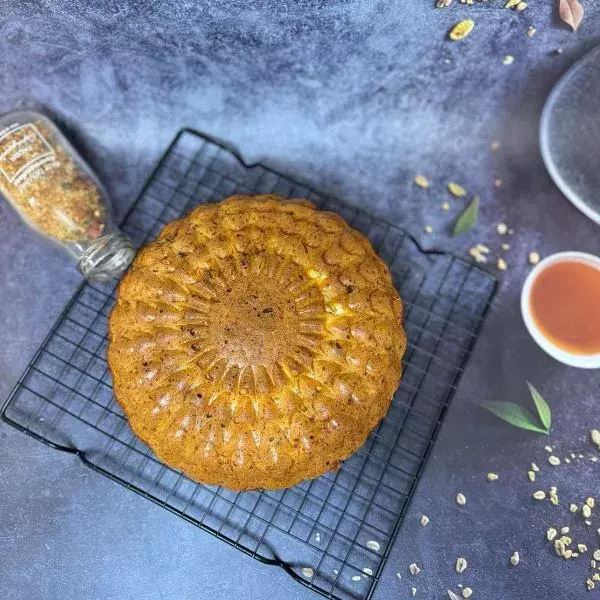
565	305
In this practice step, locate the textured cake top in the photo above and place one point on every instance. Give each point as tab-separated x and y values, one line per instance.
256	342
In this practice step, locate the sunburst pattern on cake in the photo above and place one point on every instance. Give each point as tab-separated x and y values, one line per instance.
256	342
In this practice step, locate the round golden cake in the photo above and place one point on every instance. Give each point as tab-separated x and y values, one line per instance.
256	342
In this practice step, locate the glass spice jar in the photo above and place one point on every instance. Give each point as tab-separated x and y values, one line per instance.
57	194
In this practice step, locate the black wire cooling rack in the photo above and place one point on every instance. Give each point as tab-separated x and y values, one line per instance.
332	534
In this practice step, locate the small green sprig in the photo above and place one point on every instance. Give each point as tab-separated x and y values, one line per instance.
520	417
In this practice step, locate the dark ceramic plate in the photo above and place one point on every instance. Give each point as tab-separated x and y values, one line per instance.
570	134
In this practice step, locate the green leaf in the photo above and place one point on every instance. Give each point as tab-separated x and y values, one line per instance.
468	218
542	407
514	414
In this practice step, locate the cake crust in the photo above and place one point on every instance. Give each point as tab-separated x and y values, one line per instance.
256	342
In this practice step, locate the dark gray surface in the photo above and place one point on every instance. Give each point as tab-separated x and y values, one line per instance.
356	98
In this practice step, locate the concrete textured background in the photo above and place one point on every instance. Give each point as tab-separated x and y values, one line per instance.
355	97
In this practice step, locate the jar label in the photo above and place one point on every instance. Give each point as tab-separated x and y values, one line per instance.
25	155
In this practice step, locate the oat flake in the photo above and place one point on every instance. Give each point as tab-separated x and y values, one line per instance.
461	565
456	190
422	181
461	30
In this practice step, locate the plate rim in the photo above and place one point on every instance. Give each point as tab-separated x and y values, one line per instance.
553	171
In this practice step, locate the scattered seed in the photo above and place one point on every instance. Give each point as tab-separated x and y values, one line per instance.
356	578
534	258
531	31
551	534
514	559
597	554
568	554
461	499
373	545
456	190
534	467
559	547
398	575
335	572
590	502
554	499
461	30
501	228
424	520
588	523
492	477
368	571
483	249
554	460
595	435
573	508
446	206
531	475
413	591
567	461
428	229
501	264
586	511
596	576
575	554
580	456
594	459
307	572
505	247
467	592
539	495
590	584
318	537
422	181
477	255
443	3
548	448
461	565
521	6
512	3
564	530
414	569
593	563
508	60
582	548
566	540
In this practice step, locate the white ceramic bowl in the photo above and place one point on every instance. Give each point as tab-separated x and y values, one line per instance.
583	361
